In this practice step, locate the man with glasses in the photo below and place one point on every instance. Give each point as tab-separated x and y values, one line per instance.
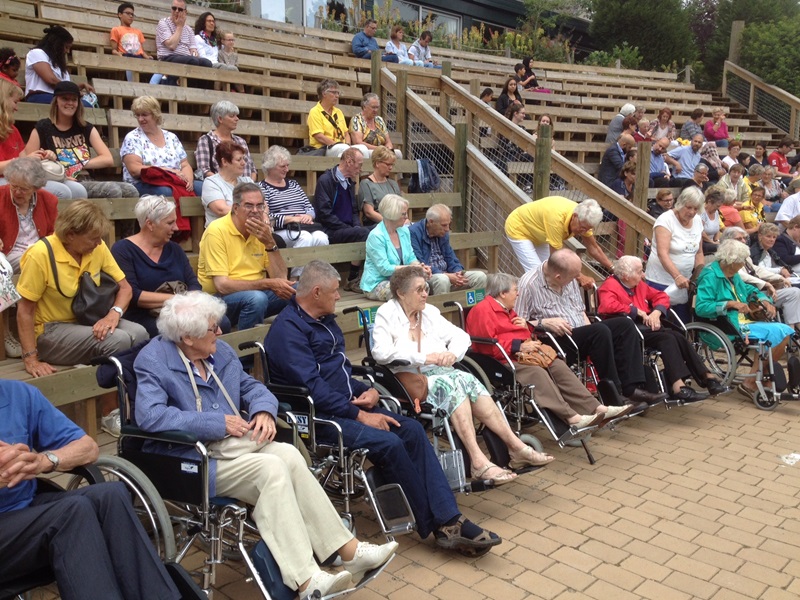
175	39
240	262
364	42
127	40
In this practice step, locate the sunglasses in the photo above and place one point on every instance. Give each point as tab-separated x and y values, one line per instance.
178	9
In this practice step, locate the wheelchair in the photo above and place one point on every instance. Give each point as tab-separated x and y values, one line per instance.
172	495
449	448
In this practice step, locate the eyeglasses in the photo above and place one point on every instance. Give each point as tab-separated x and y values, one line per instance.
128	14
178	9
333	93
255	207
214	329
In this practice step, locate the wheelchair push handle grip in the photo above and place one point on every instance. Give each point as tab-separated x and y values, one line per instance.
352	309
483	340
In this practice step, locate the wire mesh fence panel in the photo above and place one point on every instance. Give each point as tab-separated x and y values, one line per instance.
772	110
738	89
423	143
485	214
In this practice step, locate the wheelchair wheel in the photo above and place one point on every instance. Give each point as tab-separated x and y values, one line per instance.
146	500
715	349
532	441
470	366
766	401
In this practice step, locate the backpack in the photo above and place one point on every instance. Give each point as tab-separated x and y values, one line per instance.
426	179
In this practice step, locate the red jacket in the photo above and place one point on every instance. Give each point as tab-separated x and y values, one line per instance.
616	299
489	319
162	177
44	216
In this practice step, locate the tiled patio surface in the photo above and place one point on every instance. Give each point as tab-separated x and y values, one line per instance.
695	502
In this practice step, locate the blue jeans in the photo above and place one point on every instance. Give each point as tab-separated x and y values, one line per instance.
163	190
405	456
250	308
47	98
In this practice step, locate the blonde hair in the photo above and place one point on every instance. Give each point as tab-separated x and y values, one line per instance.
8	91
80	217
147	104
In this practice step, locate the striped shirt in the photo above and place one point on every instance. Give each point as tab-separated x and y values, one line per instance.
288	201
538	301
164	30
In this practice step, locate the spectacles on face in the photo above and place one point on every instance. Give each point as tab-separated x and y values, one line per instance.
128	14
333	93
178	9
261	207
215	329
21	189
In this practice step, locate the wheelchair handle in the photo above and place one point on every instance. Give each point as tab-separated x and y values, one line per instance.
352	309
102	360
483	340
249	345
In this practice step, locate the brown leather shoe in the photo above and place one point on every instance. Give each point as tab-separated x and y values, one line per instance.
640	395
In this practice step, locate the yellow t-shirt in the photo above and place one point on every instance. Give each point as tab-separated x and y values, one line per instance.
752	216
544	221
319	123
225	252
37	284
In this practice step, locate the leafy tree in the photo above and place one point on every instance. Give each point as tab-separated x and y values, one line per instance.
658	28
768	51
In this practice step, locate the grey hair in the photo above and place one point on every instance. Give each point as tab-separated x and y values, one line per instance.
728	197
770	170
702	168
400	281
367	97
188	314
768	229
732	252
392	206
29	170
223	108
692	197
273	156
624	265
325	85
731	233
316	273
435	213
243	188
499	283
755	170
589	213
153	208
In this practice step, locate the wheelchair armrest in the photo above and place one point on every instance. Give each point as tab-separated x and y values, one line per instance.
174	436
483	340
288	390
363	371
89	472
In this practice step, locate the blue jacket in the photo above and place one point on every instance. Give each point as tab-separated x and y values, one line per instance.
382	257
422	247
335	207
165	399
784	247
363	45
611	164
310	352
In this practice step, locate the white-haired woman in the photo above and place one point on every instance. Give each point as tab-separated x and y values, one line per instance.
557	387
409	329
289	207
368	129
225	118
178	389
537	228
722	293
626	294
154	265
677	249
388	249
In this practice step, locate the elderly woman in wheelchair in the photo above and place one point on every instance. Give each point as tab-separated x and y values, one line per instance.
721	293
410	330
189	380
626	293
556	387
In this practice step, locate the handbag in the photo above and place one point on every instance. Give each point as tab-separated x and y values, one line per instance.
758	312
92	301
295	229
9	295
416	384
54	171
311	151
541	356
168	287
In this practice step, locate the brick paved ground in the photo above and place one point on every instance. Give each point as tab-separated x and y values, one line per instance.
694	502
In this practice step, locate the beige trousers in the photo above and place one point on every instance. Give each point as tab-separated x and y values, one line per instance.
292	512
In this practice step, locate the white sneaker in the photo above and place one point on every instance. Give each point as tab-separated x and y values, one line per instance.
368	556
13	347
111	423
327	583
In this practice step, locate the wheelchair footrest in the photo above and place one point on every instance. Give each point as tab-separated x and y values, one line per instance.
395	512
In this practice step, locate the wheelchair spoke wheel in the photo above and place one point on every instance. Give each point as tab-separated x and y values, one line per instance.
146	500
715	349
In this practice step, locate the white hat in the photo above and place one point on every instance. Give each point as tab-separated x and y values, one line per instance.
627	109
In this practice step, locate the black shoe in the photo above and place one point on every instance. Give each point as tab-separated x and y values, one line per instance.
715	387
687	395
640	395
638	407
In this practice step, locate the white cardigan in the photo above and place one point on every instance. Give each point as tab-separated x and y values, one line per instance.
390	340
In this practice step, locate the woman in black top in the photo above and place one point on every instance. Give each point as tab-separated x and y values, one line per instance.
508	96
71	138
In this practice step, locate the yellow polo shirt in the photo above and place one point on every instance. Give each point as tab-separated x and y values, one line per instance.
319	123
36	282
752	216
225	252
544	221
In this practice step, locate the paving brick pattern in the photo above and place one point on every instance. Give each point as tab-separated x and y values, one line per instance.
694	502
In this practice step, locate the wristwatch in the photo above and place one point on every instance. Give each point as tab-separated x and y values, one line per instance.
53	459
273	249
118	310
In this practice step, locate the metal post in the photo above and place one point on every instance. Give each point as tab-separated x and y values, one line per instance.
541	163
460	171
402	117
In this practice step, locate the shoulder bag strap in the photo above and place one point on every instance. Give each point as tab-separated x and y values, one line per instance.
53	266
334	123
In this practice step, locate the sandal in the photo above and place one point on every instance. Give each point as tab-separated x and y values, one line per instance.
505	476
528	457
746	391
449	536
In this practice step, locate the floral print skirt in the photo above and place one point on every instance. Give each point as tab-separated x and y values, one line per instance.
449	387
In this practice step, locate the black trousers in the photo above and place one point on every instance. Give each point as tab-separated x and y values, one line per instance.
348	235
92	541
615	349
679	358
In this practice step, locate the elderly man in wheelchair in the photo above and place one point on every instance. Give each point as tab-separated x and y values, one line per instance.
88	539
189	380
